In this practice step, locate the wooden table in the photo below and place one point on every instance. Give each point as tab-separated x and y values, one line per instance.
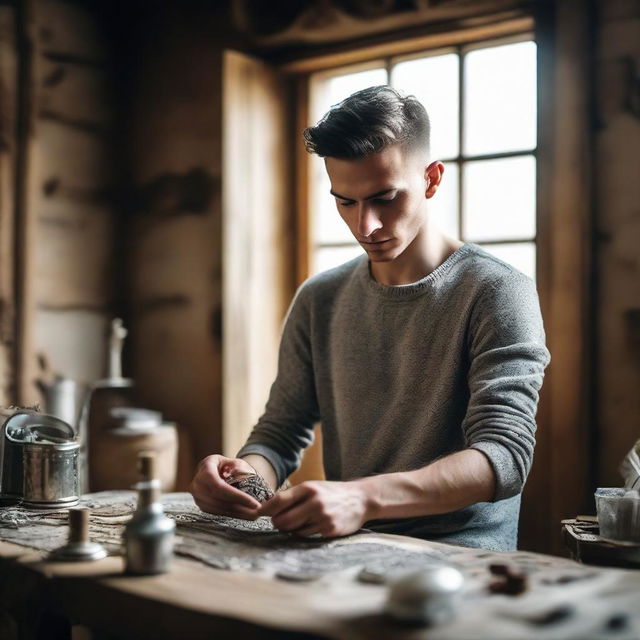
198	601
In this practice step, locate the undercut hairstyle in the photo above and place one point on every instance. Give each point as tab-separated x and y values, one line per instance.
367	122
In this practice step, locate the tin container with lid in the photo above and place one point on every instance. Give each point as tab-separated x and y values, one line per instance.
39	458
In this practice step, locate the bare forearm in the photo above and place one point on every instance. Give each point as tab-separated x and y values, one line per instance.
264	468
451	483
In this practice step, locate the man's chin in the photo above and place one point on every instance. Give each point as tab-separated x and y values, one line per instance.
383	255
380	257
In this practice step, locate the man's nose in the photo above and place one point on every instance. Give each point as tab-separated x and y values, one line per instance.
368	221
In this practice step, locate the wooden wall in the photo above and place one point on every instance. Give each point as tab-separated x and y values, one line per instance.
179	229
57	208
8	154
74	191
174	229
258	237
617	141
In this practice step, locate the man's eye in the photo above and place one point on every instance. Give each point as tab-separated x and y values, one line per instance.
386	200
348	203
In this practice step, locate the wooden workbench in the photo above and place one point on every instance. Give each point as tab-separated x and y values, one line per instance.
564	600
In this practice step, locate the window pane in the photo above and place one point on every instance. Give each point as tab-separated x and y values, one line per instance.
434	81
336	88
500	199
328	226
500	98
444	205
521	255
328	257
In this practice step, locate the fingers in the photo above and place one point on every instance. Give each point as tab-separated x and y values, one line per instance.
214	503
296	519
291	510
228	509
210	479
209	487
283	501
224	466
308	530
310	508
212	491
234	466
227	493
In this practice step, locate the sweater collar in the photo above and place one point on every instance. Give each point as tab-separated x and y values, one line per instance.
408	291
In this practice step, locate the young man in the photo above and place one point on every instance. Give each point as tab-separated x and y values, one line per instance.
422	360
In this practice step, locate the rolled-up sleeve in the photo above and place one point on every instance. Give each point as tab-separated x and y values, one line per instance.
286	427
508	357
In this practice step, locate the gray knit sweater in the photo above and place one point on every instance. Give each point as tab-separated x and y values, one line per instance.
400	376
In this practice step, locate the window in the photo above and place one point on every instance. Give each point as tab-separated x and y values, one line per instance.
481	99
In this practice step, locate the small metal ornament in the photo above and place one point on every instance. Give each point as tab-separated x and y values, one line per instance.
252	484
78	548
427	597
149	536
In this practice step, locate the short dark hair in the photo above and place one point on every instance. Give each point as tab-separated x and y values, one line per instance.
367	122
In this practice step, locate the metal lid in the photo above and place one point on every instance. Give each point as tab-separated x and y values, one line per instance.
38	428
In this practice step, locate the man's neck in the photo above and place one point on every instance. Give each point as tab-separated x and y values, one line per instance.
426	253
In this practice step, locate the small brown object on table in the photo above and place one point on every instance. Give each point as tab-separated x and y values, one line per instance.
509	580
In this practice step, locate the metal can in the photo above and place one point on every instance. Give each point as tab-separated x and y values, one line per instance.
50	474
39	459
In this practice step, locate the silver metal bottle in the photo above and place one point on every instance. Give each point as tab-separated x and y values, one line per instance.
149	536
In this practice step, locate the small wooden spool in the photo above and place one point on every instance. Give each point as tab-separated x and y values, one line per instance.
79	524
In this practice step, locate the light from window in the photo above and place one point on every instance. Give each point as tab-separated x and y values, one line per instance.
434	81
338	87
500	104
499	199
329	257
521	255
444	205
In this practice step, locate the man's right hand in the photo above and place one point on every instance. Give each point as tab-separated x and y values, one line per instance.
213	494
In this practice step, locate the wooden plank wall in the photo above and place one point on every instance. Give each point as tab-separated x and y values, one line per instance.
8	114
174	233
68	249
258	238
618	219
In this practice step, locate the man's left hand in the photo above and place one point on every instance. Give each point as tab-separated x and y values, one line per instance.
327	508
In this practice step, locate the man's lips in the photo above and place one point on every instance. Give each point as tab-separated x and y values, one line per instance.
375	242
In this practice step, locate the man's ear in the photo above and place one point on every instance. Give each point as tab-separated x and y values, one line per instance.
433	177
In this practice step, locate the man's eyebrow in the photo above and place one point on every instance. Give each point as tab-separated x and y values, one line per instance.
377	194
